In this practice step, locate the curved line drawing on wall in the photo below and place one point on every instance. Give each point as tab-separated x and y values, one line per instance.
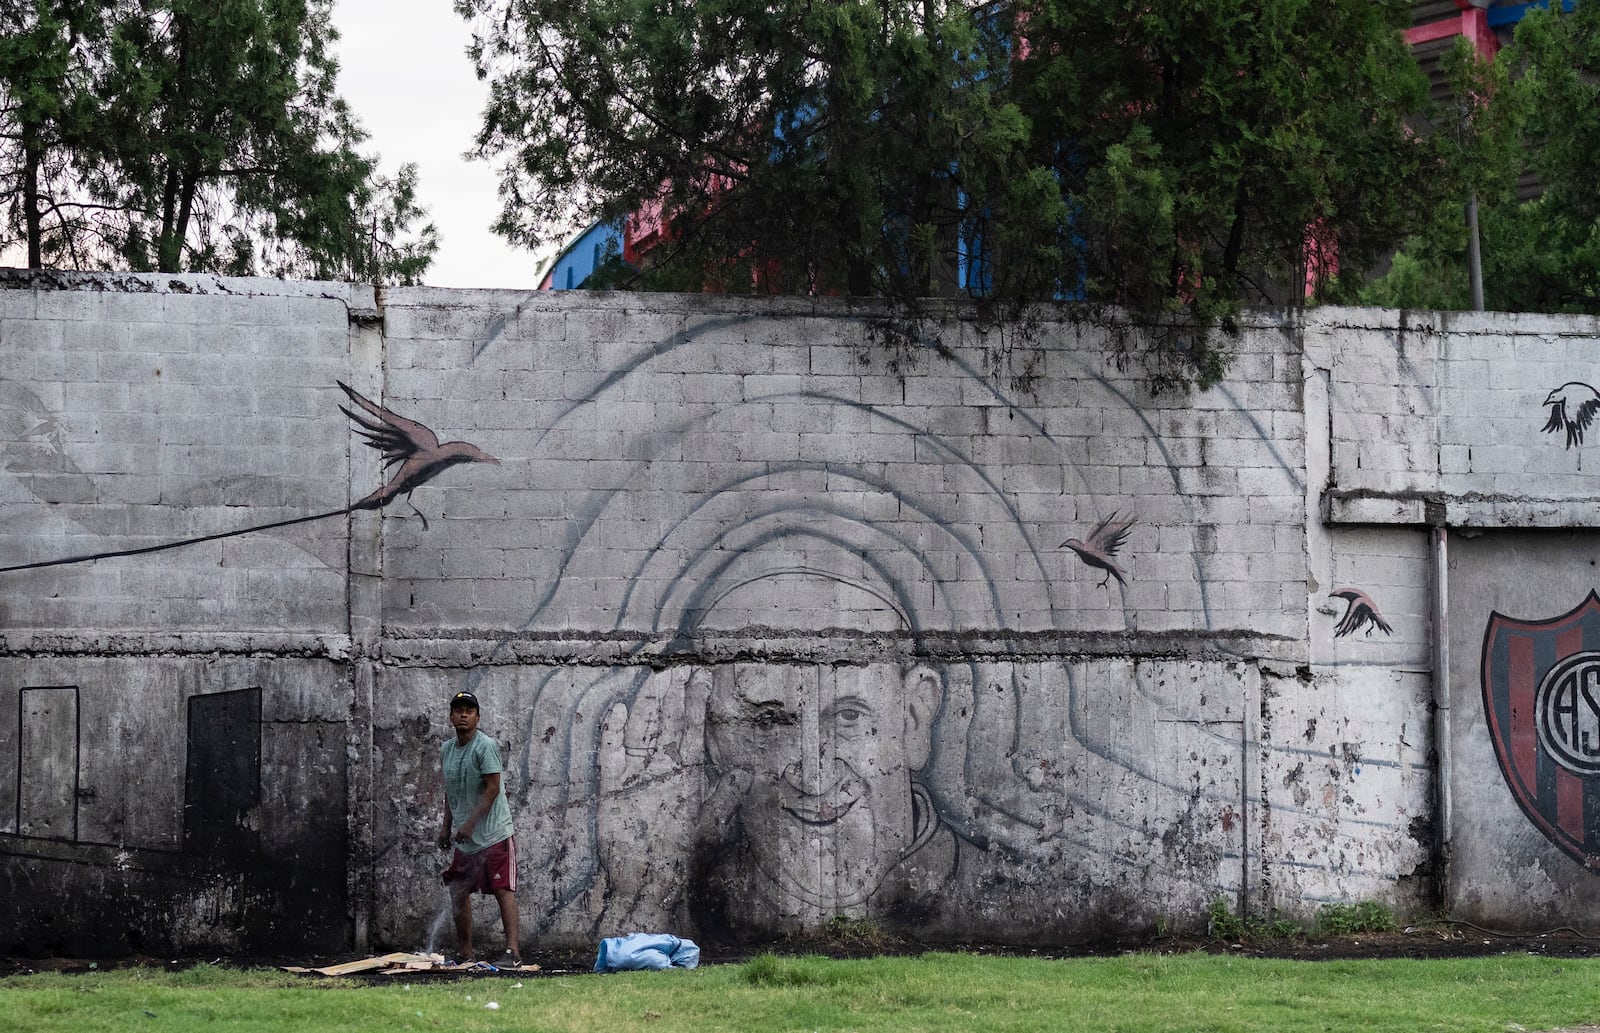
1573	406
1359	612
1264	436
597	501
674	593
407	445
1179	488
720	544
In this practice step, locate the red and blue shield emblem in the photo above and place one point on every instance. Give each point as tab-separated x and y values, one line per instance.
1541	698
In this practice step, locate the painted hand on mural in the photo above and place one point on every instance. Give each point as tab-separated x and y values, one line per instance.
652	758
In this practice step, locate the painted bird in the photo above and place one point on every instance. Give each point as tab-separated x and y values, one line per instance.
1107	537
409	445
1361	612
1572	408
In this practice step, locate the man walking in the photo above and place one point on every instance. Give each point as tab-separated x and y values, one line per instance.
485	859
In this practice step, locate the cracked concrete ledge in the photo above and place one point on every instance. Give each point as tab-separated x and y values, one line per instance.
472	649
359	298
1467	510
15	643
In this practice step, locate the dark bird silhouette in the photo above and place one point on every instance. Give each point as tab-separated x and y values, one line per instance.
1107	537
1572	408
1361	612
409	445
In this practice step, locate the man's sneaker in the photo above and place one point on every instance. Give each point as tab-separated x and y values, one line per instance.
510	959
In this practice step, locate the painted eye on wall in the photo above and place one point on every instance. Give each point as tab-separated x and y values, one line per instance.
848	716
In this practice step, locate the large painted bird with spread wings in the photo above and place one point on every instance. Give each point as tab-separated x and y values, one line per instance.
408	445
1100	550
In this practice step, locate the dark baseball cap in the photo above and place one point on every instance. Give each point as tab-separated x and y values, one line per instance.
464	699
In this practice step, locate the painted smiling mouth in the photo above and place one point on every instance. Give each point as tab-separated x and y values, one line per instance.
823	808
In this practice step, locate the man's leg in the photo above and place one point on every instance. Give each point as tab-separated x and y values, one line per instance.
507	900
461	900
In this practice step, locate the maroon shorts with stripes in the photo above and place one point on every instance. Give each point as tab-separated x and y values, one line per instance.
492	868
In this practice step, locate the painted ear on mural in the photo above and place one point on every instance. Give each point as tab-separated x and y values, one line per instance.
1573	407
1099	551
1359	612
924	695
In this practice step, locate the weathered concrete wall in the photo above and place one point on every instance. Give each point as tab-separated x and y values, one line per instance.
1478	425
771	622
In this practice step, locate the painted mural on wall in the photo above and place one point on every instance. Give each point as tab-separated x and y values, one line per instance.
796	725
208	821
773	645
1541	697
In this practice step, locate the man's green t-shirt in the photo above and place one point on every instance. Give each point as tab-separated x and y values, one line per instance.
464	769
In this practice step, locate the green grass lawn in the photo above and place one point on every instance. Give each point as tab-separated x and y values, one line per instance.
955	992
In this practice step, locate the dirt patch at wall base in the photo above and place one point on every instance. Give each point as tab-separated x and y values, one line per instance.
1434	941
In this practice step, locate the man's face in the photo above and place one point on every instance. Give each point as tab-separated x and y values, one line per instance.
824	751
464	719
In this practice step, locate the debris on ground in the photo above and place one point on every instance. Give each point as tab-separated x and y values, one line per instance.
405	963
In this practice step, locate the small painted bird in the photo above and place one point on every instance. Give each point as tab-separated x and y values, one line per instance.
1361	612
1108	536
1572	408
411	446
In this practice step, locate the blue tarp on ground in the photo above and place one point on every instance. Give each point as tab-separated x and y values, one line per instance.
646	951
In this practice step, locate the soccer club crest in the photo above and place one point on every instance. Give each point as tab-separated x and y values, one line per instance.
1541	697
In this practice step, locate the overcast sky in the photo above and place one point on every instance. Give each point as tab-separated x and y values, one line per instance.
403	68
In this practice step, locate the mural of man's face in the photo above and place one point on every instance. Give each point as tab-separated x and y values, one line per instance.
824	759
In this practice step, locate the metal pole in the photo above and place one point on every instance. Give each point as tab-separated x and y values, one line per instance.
1443	804
1474	253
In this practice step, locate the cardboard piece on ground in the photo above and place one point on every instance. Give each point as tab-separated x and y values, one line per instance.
371	964
404	964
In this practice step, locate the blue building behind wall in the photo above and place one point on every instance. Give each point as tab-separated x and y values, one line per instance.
579	259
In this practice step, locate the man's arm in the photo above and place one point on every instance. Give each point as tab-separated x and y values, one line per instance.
444	826
491	789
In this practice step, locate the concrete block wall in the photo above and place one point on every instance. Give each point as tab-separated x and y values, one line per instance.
772	620
1472	429
134	418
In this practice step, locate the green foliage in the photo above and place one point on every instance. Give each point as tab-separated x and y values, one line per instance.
1535	108
1223	924
47	109
193	135
1166	158
1552	252
1367	916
